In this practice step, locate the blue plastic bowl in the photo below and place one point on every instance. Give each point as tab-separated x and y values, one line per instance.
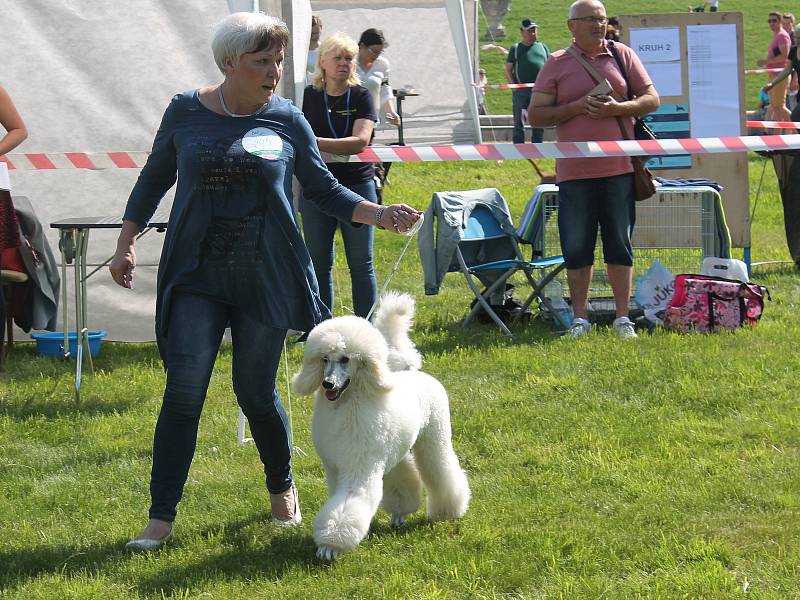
52	343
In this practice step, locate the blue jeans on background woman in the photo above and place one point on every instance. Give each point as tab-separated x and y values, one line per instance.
196	325
319	230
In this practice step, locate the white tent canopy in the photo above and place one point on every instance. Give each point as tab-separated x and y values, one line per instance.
429	50
96	76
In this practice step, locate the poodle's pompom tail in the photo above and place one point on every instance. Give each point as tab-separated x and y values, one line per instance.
394	315
393	319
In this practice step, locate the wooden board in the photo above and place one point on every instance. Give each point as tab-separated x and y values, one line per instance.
730	169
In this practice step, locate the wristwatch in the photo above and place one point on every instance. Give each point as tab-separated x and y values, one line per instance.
378	216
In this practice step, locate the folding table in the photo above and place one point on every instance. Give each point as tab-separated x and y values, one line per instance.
73	243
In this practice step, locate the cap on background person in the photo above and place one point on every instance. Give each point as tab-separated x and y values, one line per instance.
527	24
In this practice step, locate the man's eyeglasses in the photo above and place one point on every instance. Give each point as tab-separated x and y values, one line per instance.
772	20
593	20
373	51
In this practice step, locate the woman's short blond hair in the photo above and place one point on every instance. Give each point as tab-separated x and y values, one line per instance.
338	42
243	33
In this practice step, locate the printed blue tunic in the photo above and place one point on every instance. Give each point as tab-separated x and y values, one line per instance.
233	232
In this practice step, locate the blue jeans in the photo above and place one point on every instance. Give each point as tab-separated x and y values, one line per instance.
196	326
583	204
520	99
319	230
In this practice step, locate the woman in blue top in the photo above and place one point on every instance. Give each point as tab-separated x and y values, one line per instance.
342	116
233	254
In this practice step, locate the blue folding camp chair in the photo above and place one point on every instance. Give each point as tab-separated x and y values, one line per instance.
483	236
471	232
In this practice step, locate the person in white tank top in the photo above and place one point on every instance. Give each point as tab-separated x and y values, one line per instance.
373	70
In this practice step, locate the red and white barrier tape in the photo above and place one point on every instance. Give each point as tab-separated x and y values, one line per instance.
773	124
761	71
579	149
36	161
515	86
716	145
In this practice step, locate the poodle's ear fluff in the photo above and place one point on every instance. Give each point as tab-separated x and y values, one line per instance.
309	377
376	372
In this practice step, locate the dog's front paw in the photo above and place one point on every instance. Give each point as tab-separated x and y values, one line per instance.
327	553
398	521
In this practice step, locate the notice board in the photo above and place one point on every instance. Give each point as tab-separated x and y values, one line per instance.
696	62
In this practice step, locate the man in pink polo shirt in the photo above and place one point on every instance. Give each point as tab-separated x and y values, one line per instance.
777	53
594	191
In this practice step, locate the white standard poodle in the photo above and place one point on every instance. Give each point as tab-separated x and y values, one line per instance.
380	426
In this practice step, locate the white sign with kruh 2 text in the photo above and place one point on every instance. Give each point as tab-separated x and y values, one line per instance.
657	44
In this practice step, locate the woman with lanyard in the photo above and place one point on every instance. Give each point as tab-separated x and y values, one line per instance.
342	116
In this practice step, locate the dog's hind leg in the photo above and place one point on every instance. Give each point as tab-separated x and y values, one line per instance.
343	521
402	490
445	481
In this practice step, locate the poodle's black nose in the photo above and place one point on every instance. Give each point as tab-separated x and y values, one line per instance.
326	384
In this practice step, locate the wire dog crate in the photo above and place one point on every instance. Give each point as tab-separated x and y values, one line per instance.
678	226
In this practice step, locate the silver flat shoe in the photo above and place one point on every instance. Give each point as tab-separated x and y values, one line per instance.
148	544
286	508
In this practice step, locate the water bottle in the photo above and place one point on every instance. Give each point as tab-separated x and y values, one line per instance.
562	312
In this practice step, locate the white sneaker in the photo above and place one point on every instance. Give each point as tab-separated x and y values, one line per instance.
624	328
579	327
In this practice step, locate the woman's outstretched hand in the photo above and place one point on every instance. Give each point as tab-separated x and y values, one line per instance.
399	217
122	266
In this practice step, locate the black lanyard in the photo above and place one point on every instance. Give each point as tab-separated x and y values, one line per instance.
328	114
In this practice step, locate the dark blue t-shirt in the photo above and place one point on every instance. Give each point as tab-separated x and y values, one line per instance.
233	216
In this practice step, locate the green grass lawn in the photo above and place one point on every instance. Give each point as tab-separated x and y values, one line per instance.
661	468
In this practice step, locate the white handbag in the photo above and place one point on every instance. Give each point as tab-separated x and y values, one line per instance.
729	268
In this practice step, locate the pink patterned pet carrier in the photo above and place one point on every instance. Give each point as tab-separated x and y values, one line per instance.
705	303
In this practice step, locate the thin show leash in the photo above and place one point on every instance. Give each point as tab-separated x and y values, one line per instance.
410	234
295	448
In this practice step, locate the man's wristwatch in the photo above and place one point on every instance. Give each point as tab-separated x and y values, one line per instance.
378	216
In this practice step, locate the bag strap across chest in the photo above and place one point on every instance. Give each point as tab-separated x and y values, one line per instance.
598	79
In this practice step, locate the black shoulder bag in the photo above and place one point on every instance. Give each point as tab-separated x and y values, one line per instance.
641	131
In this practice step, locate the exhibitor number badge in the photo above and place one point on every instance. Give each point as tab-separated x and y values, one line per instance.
264	143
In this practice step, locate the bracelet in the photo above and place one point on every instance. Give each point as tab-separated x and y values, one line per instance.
378	216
